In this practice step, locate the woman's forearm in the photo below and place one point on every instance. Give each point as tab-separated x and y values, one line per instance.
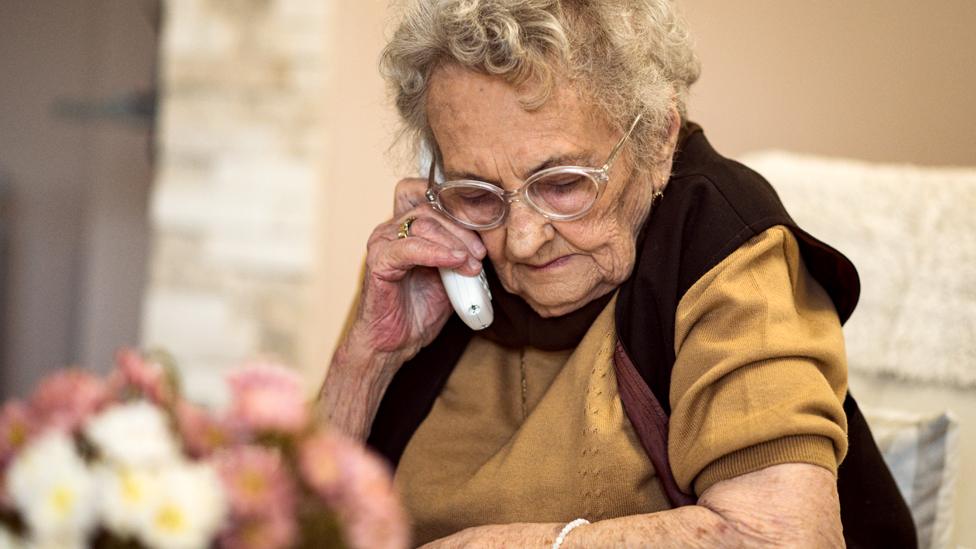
786	505
354	386
691	526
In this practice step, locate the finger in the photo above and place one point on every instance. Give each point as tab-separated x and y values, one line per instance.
438	230
472	240
432	228
392	260
409	194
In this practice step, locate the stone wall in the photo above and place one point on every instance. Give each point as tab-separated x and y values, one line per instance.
241	130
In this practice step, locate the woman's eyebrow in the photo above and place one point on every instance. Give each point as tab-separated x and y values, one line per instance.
457	176
570	159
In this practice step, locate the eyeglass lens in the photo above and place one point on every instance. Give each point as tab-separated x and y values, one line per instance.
472	204
563	194
558	194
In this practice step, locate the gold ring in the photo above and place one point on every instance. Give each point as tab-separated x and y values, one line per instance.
405	227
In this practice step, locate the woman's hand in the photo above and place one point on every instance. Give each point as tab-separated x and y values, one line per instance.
403	305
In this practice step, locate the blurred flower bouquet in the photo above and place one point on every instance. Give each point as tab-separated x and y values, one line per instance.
125	462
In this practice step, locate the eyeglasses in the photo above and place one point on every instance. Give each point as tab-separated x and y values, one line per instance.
560	193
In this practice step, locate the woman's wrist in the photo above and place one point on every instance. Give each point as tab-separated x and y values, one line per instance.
358	353
564	532
355	384
374	348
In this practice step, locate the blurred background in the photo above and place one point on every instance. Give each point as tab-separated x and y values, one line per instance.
201	175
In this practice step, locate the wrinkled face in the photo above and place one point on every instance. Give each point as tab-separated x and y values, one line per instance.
484	133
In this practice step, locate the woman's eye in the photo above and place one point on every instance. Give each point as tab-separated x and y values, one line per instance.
563	193
566	185
560	184
475	196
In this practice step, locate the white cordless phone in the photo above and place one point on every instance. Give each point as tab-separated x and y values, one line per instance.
469	295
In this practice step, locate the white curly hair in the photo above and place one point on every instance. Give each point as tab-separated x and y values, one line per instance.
626	57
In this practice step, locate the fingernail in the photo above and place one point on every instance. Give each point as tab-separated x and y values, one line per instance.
458	254
475	265
480	249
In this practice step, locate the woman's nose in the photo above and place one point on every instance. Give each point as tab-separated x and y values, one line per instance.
526	231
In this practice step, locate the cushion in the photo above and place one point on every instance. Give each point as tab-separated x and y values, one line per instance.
911	232
922	453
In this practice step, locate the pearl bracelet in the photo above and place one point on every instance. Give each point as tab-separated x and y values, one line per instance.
566	530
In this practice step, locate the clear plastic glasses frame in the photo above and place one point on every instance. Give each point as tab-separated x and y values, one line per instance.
598	177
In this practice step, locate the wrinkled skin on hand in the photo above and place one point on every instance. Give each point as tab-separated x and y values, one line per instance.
403	304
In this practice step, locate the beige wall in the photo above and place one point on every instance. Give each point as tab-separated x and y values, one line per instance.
880	80
360	173
889	81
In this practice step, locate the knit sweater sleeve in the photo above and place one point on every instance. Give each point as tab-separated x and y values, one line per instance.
760	372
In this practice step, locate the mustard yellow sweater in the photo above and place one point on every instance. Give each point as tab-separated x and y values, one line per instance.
523	435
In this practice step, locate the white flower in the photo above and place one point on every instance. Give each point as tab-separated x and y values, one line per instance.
134	434
54	491
79	543
125	498
188	508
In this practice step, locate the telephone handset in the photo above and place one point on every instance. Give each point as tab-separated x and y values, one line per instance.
469	295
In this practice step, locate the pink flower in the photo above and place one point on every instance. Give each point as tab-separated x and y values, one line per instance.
269	398
318	461
202	432
147	378
67	397
269	531
256	480
262	498
16	428
359	486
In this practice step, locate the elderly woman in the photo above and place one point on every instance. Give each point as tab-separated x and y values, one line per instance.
666	362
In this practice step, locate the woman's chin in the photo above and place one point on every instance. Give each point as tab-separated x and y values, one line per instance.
551	311
555	293
560	302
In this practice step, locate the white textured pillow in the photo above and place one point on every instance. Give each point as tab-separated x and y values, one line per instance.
922	453
911	233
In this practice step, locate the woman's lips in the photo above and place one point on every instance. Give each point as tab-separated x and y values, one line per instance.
552	265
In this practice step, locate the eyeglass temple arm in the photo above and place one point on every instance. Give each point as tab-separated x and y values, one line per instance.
620	144
433	166
431	197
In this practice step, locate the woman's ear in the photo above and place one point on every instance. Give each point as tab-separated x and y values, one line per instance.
674	129
674	126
